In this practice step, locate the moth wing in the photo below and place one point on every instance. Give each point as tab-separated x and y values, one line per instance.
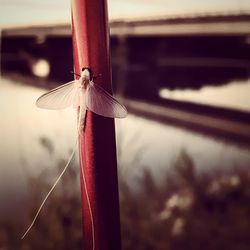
60	97
102	103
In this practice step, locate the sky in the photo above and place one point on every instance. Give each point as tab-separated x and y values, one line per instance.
22	12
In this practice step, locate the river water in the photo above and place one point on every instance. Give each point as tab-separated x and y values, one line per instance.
33	140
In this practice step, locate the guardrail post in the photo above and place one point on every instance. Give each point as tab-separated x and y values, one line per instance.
97	145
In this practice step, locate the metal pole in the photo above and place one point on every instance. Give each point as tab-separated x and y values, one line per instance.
97	145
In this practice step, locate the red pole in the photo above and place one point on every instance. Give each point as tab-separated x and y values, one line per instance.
97	145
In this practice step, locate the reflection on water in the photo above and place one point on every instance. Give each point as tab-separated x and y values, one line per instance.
151	145
234	95
22	128
41	68
35	139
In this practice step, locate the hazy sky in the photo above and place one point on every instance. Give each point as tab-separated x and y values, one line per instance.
18	12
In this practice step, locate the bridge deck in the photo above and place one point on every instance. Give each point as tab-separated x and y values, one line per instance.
207	24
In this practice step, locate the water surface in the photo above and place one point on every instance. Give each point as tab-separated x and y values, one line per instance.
34	139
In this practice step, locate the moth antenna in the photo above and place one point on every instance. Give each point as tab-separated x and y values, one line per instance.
75	73
95	77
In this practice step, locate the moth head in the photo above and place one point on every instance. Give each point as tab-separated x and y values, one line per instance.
86	73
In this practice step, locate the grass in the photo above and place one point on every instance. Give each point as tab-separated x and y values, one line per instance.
186	211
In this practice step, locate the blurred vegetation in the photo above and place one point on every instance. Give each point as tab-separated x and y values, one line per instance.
59	224
188	210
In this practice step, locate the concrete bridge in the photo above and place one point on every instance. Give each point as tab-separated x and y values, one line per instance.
177	52
230	24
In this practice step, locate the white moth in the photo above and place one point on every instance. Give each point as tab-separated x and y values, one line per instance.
83	93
